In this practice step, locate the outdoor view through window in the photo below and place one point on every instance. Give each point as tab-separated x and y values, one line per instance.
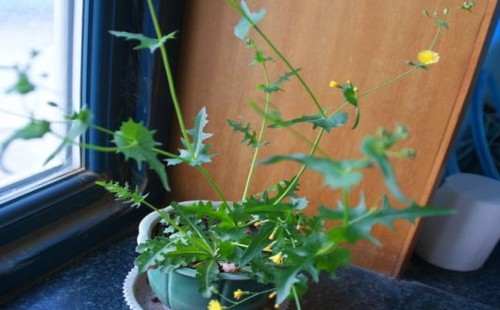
39	39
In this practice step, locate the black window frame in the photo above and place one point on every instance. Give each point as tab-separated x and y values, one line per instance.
43	230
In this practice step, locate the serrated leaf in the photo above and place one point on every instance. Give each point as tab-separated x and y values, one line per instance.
336	174
199	150
387	214
135	141
33	130
375	148
80	121
206	209
334	120
206	275
249	135
124	193
144	42
362	220
247	21
152	252
275	86
258	243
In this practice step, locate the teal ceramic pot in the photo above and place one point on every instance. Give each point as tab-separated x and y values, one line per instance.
178	289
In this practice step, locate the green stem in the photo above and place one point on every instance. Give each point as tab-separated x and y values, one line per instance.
280	55
296	298
345	201
212	183
387	83
302	169
168	71
105	130
261	134
253	295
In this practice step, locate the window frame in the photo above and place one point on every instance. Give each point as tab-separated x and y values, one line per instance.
43	230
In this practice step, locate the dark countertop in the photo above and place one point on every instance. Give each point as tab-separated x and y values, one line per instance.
95	282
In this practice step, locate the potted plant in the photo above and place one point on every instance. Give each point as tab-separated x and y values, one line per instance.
240	253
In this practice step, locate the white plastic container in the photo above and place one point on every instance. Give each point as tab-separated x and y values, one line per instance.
463	241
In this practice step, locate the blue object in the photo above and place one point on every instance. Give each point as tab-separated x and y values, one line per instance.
486	91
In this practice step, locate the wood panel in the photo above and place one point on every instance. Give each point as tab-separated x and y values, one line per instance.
366	41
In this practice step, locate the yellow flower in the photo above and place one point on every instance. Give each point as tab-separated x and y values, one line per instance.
428	57
238	294
257	224
334	84
214	305
278	258
272	295
268	248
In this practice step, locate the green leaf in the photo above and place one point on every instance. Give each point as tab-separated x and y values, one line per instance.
33	130
442	24
334	120
386	215
275	86
152	253
136	141
337	174
258	242
23	84
287	276
199	150
268	209
206	275
248	135
80	121
124	193
333	260
247	21
144	42
375	148
351	96
362	219
207	209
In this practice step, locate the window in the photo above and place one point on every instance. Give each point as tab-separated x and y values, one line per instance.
40	62
54	222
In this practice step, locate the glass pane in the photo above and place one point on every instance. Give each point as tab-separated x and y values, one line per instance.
39	38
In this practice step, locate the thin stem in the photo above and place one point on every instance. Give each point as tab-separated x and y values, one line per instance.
345	202
88	146
253	295
212	183
166	154
387	83
168	71
261	134
296	298
280	55
302	169
105	130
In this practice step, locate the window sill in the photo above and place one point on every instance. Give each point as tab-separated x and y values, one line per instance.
95	283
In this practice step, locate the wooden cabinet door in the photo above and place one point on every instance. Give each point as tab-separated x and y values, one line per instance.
365	41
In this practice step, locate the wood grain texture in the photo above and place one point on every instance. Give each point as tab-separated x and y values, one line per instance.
366	41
